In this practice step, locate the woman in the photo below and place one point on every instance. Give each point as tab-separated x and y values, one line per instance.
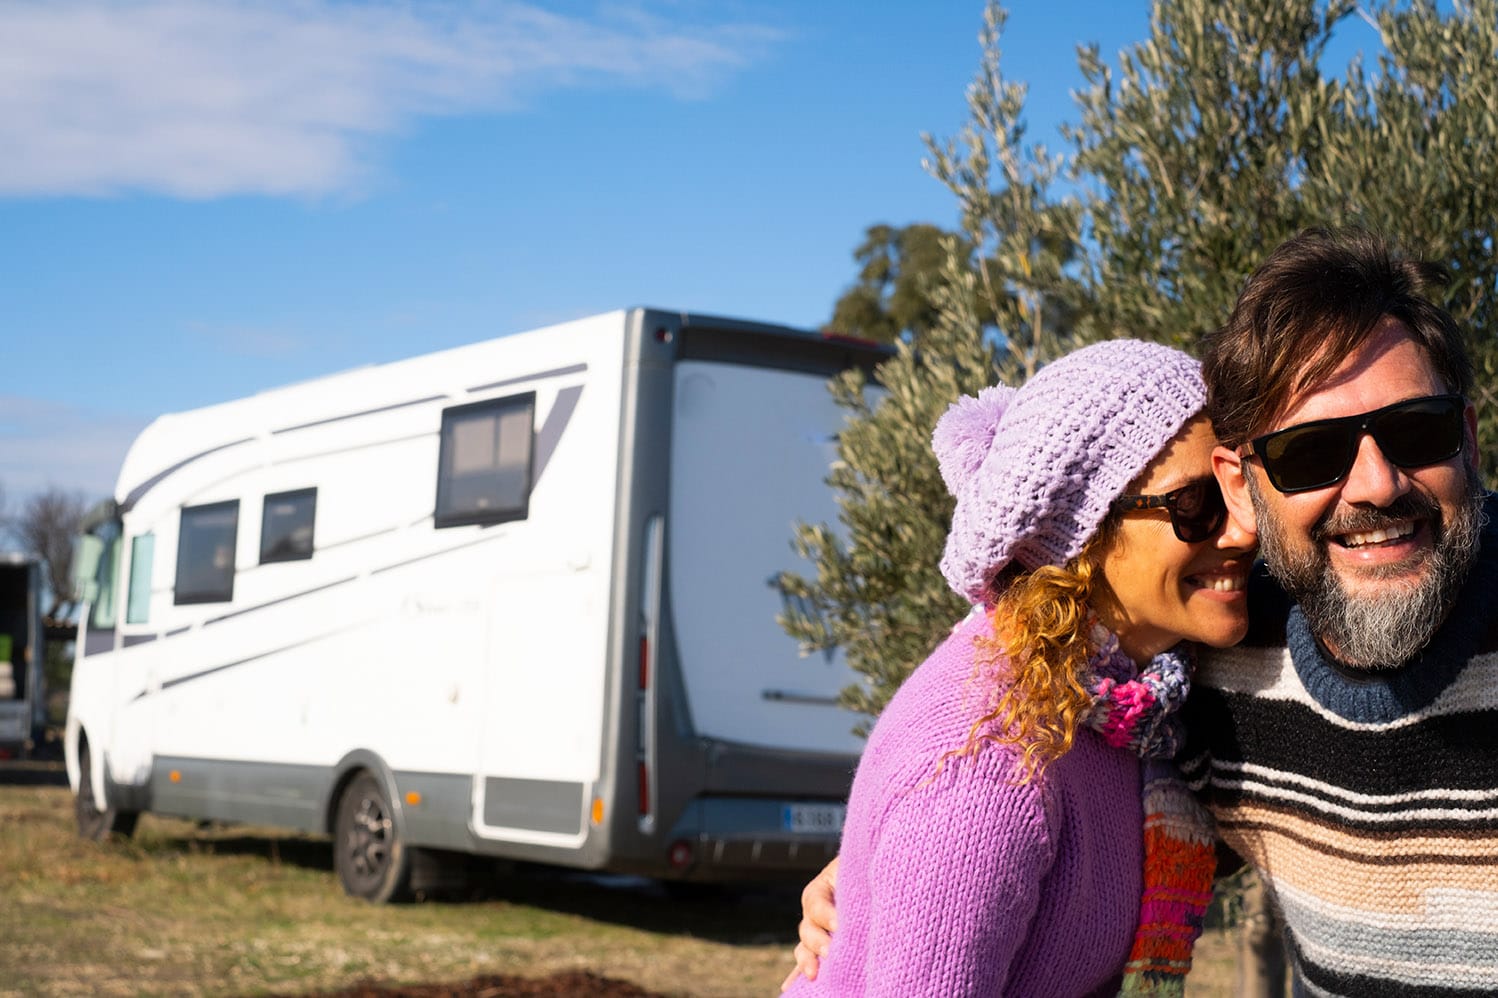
996	840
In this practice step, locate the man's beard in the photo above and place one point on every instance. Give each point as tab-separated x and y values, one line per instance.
1384	625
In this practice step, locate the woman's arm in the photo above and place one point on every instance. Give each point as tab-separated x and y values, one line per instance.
954	886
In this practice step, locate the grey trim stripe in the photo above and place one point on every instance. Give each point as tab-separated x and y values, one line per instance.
355	540
387	442
97	641
555	372
131	640
154	480
357	415
434	554
551	431
150	483
282	599
180	680
249	609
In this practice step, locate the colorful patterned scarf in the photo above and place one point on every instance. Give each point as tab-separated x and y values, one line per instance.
1135	708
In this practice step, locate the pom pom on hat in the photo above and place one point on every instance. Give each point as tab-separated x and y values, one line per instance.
1035	470
965	433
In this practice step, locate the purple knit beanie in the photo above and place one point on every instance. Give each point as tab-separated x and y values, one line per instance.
1035	469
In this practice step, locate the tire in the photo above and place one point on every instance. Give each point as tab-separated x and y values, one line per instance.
372	861
94	824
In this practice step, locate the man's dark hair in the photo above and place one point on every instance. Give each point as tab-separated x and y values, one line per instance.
1316	299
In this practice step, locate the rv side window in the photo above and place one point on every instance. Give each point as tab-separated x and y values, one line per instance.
101	612
138	600
205	553
286	526
484	469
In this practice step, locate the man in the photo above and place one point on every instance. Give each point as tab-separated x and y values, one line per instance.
1349	748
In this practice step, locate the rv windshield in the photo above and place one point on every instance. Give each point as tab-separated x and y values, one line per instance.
96	556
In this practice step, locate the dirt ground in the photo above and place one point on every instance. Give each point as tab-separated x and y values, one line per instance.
500	986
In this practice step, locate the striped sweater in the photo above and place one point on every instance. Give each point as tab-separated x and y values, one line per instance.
1369	804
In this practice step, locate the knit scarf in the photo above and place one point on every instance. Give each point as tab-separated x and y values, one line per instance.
1135	708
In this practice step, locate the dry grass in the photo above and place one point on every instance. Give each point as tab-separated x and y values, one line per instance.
182	910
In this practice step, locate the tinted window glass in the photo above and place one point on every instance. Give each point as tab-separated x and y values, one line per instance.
286	526
205	553
484	471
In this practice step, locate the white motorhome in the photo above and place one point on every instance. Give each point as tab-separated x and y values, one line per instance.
511	599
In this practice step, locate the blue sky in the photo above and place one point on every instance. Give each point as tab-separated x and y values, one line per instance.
200	200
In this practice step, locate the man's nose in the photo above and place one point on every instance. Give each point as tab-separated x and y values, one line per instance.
1373	480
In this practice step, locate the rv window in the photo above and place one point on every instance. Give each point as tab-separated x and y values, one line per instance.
205	553
138	602
286	526
101	610
484	469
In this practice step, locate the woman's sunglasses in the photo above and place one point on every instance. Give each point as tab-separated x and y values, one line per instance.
1320	453
1196	510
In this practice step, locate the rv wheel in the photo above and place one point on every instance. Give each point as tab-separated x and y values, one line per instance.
93	823
372	861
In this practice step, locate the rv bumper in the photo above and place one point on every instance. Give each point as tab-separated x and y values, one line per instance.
730	837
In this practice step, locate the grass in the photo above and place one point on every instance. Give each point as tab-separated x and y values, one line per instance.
188	910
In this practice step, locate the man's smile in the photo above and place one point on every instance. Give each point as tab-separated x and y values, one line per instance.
1382	535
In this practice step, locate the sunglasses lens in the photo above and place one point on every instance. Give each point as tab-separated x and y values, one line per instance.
1410	434
1308	457
1198	511
1420	433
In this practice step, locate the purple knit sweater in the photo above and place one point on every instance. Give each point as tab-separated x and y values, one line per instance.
969	884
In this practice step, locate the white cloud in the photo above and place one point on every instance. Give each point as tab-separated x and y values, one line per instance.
261	342
203	99
45	444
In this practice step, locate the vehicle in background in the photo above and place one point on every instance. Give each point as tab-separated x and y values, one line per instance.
23	695
514	599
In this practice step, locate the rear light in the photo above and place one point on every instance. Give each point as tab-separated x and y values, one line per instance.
680	854
644	788
644	662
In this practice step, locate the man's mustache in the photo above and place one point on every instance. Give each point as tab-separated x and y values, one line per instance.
1361	519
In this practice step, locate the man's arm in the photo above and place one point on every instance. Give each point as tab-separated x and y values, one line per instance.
818	921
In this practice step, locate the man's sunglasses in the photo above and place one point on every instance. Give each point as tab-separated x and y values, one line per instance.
1196	510
1320	453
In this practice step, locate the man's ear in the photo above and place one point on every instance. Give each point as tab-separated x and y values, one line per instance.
1471	414
1230	472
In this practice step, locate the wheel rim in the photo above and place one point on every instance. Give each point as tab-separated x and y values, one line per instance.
369	839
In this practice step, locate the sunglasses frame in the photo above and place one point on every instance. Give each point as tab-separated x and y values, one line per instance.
1361	423
1170	501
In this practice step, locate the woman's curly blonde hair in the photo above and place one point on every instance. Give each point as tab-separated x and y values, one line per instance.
1042	637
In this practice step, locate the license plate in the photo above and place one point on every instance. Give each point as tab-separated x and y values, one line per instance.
826	819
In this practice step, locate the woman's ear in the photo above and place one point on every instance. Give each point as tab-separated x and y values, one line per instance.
1227	465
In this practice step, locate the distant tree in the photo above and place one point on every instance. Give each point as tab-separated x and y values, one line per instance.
897	270
1215	138
45	528
1413	151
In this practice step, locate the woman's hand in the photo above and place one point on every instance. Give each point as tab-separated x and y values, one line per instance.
818	922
